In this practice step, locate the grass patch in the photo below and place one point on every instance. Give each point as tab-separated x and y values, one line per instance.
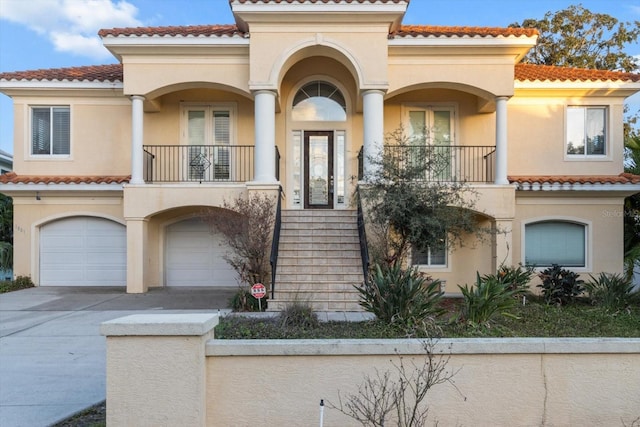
21	282
535	319
94	416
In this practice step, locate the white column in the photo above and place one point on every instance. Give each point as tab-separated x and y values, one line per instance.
265	128
373	115
501	141
137	137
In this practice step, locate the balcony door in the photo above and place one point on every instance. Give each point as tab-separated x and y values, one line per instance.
433	128
208	134
318	170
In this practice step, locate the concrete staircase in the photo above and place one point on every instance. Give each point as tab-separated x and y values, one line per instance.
319	260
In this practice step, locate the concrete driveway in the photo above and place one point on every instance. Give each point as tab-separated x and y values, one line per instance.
52	356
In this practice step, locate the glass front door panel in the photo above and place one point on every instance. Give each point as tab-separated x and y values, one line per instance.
319	169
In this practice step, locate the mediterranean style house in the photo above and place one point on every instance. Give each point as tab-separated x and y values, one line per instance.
113	164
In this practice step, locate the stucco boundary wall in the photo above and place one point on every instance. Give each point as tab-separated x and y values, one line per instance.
167	370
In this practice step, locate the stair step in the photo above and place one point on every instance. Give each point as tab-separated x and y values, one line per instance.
319	260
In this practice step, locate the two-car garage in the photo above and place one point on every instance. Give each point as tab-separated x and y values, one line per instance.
92	251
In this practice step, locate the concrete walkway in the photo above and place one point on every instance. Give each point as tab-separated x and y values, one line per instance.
52	356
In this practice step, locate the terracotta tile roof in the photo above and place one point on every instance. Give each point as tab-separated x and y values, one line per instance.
532	72
13	178
227	30
570	181
444	31
92	73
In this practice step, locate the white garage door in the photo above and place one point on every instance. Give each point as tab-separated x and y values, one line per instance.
194	256
83	251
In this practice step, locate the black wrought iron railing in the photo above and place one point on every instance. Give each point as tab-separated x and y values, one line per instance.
277	163
362	237
444	163
275	242
199	163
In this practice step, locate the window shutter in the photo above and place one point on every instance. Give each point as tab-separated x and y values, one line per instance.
221	128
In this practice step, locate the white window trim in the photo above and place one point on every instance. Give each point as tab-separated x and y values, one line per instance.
607	131
430	106
231	107
588	247
29	132
441	268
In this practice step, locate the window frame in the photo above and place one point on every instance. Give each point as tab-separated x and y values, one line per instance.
49	155
607	133
434	267
209	108
588	239
429	109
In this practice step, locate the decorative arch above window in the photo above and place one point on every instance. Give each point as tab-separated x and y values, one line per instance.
319	101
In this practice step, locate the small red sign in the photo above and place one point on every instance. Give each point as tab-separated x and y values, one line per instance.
258	291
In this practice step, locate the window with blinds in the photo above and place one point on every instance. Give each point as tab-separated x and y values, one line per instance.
50	131
555	242
209	133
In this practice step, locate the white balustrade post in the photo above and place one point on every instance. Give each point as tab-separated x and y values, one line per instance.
265	139
373	132
137	137
501	141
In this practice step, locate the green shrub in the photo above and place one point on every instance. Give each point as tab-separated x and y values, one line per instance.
489	297
560	286
400	296
516	278
242	300
298	315
612	291
20	282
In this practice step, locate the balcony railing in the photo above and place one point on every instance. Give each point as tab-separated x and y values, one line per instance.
198	163
444	163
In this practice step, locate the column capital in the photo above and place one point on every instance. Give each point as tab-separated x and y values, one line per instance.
257	92
137	98
364	92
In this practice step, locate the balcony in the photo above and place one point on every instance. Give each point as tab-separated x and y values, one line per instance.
200	163
444	163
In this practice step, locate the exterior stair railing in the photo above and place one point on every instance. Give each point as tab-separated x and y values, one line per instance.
275	242
362	235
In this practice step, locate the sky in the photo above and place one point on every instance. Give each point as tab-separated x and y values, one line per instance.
36	34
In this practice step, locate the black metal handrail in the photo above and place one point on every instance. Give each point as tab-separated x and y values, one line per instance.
199	163
275	242
277	163
447	163
470	163
362	237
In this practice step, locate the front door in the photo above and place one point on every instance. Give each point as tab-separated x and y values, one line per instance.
318	170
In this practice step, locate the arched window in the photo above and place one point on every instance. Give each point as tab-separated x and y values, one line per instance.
319	101
556	242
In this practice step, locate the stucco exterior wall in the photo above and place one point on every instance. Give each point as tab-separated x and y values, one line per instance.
100	136
31	214
149	75
498	383
165	370
537	137
603	215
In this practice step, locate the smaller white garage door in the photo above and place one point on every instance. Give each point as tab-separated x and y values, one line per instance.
194	256
83	251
